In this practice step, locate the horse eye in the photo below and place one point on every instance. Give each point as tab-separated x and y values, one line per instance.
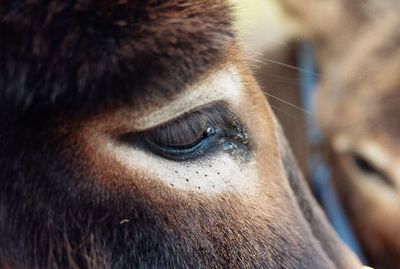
192	135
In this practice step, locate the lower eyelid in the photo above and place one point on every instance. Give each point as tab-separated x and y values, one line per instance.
219	172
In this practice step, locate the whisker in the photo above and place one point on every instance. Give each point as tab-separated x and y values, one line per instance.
290	66
240	80
283	112
285	79
288	103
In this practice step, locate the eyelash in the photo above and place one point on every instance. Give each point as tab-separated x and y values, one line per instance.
194	134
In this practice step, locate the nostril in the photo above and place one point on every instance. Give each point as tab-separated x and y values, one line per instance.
367	168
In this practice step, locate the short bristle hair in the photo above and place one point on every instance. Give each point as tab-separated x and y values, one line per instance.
74	54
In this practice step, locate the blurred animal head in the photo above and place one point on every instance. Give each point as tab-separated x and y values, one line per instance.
133	135
358	106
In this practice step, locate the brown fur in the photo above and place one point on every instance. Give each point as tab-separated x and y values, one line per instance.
358	97
281	83
67	202
114	49
333	25
369	70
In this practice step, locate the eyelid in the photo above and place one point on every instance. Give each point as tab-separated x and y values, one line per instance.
216	114
226	133
181	132
222	86
191	127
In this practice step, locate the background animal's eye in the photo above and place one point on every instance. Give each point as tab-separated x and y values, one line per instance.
368	169
193	134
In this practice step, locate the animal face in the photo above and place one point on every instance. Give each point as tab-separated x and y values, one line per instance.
133	135
357	104
365	91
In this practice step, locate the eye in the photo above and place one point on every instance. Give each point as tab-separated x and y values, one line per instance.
367	168
194	134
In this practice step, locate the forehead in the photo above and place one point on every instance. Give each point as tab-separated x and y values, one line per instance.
367	71
367	85
82	53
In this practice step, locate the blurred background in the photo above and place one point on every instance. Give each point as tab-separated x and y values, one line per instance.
330	70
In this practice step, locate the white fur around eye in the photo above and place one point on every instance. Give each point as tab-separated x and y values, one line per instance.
215	173
222	85
218	173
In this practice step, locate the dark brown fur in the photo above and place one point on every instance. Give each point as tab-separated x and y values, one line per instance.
80	53
67	202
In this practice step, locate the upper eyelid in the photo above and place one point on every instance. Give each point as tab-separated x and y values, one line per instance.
220	109
212	111
219	86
